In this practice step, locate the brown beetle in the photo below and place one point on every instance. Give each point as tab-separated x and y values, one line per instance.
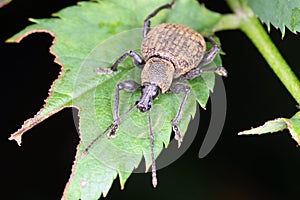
172	53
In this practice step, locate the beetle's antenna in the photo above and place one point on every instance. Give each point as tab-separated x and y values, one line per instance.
112	128
86	150
154	178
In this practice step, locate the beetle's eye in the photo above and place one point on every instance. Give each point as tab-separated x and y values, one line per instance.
155	93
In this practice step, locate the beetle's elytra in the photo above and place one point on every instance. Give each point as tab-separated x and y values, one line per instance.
179	44
171	53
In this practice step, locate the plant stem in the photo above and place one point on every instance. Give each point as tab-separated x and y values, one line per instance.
251	26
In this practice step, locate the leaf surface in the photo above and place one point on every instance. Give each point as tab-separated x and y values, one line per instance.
279	13
95	34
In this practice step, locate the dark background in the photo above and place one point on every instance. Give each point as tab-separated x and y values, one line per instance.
248	167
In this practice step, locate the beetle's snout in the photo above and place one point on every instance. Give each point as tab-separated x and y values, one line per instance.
143	107
149	93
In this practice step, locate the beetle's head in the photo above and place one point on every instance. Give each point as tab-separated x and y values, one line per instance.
149	93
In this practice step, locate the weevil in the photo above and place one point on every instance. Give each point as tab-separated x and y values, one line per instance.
171	53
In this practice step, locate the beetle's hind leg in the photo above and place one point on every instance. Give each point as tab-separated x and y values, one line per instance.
147	22
208	58
137	60
221	71
211	54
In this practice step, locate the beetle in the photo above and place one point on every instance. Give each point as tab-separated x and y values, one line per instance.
171	53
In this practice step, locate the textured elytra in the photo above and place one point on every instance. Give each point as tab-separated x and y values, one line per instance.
177	43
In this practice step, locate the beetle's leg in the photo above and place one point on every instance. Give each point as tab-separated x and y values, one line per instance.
147	22
211	54
129	86
208	58
179	88
137	60
197	72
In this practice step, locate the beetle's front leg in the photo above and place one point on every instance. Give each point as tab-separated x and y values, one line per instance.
129	86
179	88
137	60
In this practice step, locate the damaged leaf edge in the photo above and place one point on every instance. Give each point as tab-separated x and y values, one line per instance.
38	118
31	122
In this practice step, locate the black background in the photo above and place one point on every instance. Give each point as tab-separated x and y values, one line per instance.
249	167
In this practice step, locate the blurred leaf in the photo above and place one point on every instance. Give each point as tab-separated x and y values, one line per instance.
293	125
95	34
279	13
4	2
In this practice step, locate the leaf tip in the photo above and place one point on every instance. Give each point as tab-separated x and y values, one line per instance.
154	182
252	131
17	137
268	26
122	186
296	138
241	133
282	32
9	40
33	20
292	131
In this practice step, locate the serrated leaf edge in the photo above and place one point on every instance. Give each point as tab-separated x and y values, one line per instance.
292	132
64	197
287	123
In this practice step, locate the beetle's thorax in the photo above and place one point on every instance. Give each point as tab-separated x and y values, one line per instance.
159	72
149	93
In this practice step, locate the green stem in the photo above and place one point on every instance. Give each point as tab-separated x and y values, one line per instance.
250	25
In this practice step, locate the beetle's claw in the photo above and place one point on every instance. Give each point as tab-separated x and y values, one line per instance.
221	71
112	132
101	71
178	135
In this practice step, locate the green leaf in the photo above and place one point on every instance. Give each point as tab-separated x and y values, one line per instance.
190	13
279	13
293	125
95	34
